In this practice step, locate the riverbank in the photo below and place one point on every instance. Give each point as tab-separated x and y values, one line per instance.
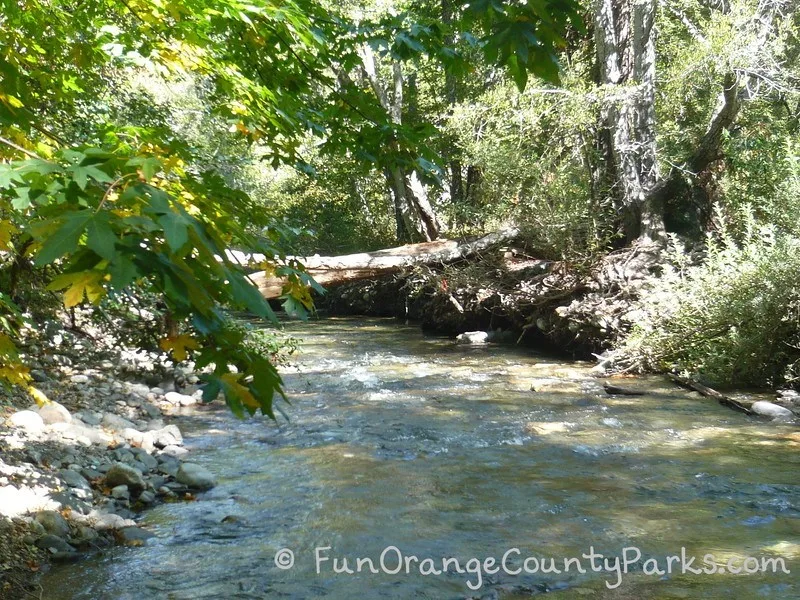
77	472
565	309
572	309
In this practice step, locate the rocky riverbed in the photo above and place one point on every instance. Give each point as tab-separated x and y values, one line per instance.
76	472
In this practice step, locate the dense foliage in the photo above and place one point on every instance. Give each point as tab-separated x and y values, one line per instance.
141	140
107	191
733	319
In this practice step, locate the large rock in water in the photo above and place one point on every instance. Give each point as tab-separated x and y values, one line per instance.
473	337
195	477
768	409
122	474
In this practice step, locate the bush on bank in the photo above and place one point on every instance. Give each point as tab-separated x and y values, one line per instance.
732	320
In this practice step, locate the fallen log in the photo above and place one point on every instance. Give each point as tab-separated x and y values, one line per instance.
334	270
708	392
615	390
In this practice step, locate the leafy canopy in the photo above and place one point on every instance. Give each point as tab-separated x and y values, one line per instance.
108	207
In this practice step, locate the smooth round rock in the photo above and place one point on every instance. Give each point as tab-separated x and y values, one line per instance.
28	420
53	412
122	474
768	409
195	477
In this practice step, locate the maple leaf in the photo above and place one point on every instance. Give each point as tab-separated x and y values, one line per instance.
269	268
7	230
177	344
300	292
233	386
15	373
38	396
78	285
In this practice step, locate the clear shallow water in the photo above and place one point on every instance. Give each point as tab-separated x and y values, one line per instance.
444	451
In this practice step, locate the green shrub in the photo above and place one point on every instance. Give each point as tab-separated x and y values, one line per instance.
732	320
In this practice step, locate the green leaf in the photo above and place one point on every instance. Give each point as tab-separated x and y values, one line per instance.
42	167
176	229
80	176
211	389
100	237
65	239
123	271
82	173
294	308
148	165
247	295
8	175
23	199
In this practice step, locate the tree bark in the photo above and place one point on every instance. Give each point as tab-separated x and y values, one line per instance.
414	215
737	87
625	44
626	56
333	270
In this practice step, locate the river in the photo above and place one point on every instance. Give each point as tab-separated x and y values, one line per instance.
406	441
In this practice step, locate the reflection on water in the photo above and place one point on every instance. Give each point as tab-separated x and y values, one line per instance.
444	451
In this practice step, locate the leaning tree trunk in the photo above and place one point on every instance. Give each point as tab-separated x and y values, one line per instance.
414	214
757	66
625	41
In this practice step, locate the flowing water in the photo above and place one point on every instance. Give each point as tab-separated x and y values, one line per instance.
445	451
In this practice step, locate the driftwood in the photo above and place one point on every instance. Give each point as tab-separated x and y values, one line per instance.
711	393
334	270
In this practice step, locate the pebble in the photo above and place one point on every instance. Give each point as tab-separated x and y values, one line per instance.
121	492
54	544
114	422
39	376
74	479
167	436
90	473
52	522
89	417
150	463
180	399
96	464
175	451
135	535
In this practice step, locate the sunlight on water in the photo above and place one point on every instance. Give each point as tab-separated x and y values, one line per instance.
445	451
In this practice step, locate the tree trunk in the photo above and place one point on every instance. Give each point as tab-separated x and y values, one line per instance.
414	215
674	192
333	270
625	44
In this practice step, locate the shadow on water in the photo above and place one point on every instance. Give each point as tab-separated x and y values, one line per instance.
442	451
